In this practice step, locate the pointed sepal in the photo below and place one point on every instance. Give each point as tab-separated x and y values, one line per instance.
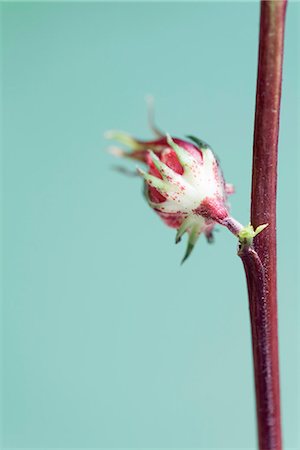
193	237
183	229
153	181
164	170
185	159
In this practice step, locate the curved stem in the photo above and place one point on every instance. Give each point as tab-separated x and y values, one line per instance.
260	261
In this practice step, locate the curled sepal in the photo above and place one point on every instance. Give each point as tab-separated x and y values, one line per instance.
194	233
151	117
199	142
123	138
247	234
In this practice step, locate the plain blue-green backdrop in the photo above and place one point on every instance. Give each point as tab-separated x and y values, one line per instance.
108	342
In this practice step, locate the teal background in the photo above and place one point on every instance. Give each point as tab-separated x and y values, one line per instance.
107	341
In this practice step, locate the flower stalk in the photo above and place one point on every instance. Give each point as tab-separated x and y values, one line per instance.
259	259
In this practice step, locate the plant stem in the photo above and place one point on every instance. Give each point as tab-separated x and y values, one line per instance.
260	259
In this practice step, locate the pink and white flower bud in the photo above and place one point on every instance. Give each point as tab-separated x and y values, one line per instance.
184	185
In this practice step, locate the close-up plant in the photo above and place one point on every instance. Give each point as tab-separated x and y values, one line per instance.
149	256
185	186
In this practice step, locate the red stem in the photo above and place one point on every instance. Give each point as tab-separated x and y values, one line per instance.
260	260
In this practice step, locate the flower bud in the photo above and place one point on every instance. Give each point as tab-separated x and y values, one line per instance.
184	184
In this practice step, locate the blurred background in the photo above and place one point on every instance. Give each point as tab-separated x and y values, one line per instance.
108	341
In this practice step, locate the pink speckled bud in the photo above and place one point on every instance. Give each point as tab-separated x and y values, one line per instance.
184	184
